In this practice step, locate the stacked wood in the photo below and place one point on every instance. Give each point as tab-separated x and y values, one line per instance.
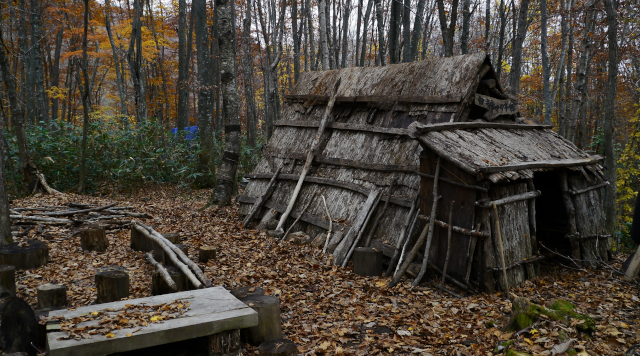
112	284
367	261
206	253
51	295
94	240
7	281
25	255
278	347
245	292
268	328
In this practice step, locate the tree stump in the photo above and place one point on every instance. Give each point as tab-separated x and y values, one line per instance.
94	240
52	295
112	284
174	237
268	328
278	347
7	281
206	253
226	343
33	254
18	328
159	285
367	261
246	292
160	256
139	242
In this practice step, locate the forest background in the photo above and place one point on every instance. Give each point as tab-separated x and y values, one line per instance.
92	89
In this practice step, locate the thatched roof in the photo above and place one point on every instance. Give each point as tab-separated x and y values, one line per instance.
501	152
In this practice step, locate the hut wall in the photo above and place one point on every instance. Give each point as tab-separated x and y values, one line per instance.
463	212
514	228
589	218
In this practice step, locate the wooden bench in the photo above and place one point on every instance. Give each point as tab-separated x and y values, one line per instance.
214	313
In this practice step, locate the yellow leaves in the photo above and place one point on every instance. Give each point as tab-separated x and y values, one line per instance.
94	313
110	335
156	318
528	341
129	335
324	345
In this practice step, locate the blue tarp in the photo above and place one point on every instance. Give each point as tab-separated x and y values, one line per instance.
192	132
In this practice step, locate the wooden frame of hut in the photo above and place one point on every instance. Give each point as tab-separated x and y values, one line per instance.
373	138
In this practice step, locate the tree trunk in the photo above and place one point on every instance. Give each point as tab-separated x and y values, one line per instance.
296	40
380	20
248	80
324	50
548	105
448	31
367	14
567	89
116	60
55	72
160	50
134	56
565	8
36	62
394	31
5	221
312	45
227	43
610	117
503	25
345	32
487	26
417	31
523	25
183	68
85	100
466	18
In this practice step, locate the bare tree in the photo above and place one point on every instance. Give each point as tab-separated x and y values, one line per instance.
324	50
464	34
5	221
116	59
134	56
610	117
394	31
346	11
406	32
85	99
518	42
448	30
367	15
248	79
503	26
417	30
548	106
380	20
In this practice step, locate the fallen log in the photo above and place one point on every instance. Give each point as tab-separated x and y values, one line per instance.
169	252
73	212
162	271
52	221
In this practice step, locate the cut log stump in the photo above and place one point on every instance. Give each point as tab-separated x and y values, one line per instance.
94	240
112	284
32	254
52	295
19	327
159	285
268	328
278	347
206	253
226	343
246	292
367	261
139	242
7	281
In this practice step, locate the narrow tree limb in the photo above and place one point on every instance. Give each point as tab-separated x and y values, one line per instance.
128	213
170	253
381	216
180	255
73	212
406	243
298	218
315	144
446	259
326	242
403	233
260	202
47	188
52	221
434	208
467	232
361	232
163	272
499	234
412	254
472	249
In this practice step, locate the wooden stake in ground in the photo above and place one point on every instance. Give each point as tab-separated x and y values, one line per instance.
260	202
381	216
312	152
446	259
407	242
163	271
499	234
403	233
298	218
326	242
432	219
412	254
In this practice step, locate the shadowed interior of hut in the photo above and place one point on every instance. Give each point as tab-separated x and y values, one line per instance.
551	215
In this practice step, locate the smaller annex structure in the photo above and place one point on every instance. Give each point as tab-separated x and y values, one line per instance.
370	142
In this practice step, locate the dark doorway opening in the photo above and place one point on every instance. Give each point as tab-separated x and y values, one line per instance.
552	222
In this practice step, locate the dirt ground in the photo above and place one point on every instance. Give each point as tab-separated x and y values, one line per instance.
328	309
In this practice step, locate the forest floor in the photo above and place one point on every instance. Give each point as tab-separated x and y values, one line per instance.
328	309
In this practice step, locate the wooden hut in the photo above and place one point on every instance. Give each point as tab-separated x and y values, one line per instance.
376	154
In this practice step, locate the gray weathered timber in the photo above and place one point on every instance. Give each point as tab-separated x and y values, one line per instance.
543	164
571	215
589	216
343	126
420	129
258	204
587	189
212	311
496	107
420	99
511	199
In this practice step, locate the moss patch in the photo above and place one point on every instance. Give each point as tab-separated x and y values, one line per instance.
526	313
516	353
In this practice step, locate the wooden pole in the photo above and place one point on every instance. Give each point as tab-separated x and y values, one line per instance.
500	248
406	243
446	259
163	271
260	202
403	235
364	227
410	257
326	242
312	152
571	214
432	219
381	216
298	218
472	249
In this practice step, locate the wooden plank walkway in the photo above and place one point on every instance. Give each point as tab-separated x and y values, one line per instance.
212	310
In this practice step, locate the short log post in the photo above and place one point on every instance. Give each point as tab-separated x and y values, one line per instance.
206	253
52	295
245	292
160	255
33	255
174	237
159	285
367	261
139	242
268	328
278	347
226	343
94	240
112	285
7	281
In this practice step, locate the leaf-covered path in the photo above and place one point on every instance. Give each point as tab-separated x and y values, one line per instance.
327	309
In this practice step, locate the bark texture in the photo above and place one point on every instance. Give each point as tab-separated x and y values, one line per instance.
610	117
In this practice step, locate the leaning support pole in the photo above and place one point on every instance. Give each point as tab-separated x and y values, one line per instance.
178	252
364	227
312	152
446	259
406	244
412	254
499	234
304	210
432	220
260	202
172	256
326	242
403	235
381	216
163	272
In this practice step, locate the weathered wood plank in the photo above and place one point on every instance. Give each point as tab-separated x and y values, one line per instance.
419	128
458	184
496	107
571	214
420	99
510	199
588	189
351	163
461	230
335	183
343	126
560	163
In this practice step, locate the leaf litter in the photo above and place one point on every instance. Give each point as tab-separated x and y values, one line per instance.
327	309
